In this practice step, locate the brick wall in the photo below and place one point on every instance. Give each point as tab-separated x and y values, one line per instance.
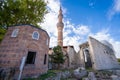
12	49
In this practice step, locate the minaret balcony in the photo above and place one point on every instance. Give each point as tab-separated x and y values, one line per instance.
60	25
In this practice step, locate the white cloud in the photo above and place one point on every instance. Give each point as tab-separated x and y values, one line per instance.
53	5
50	20
101	35
73	35
117	6
104	35
50	26
81	30
72	40
115	9
53	41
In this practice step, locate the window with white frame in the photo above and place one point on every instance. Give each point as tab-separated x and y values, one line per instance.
35	35
15	33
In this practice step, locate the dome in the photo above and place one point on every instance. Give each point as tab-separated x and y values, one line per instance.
107	44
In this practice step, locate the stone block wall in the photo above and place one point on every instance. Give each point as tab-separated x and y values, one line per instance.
13	49
71	53
102	56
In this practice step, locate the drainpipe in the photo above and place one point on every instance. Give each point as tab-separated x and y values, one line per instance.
21	67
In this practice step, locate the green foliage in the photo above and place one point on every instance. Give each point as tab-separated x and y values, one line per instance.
30	79
89	69
47	75
2	33
118	60
57	57
14	12
50	73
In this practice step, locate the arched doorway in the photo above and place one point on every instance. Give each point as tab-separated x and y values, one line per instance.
87	58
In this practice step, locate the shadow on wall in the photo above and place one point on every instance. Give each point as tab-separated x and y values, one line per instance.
7	73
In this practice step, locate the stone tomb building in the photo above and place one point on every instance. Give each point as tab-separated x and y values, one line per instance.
25	41
97	55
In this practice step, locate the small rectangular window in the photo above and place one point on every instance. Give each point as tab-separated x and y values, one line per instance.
47	42
31	57
45	59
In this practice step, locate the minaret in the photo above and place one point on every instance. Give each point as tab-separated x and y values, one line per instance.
60	27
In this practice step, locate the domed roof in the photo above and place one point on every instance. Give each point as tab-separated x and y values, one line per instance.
107	44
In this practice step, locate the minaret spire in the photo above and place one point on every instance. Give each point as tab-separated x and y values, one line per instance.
60	16
60	26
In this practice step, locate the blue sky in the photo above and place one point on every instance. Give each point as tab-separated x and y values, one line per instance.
94	13
82	18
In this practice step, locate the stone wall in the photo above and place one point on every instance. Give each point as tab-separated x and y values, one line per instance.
102	56
71	53
13	49
70	56
77	60
81	54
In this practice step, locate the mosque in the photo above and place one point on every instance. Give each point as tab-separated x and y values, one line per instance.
92	54
31	43
68	51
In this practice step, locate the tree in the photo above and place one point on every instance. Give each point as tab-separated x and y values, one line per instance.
2	33
118	59
13	12
57	57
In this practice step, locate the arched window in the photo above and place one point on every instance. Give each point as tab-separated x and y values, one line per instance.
15	33
35	35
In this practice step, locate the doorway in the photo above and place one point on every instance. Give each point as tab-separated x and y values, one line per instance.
87	59
31	57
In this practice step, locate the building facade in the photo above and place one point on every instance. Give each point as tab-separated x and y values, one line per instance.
97	55
29	42
70	58
70	54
